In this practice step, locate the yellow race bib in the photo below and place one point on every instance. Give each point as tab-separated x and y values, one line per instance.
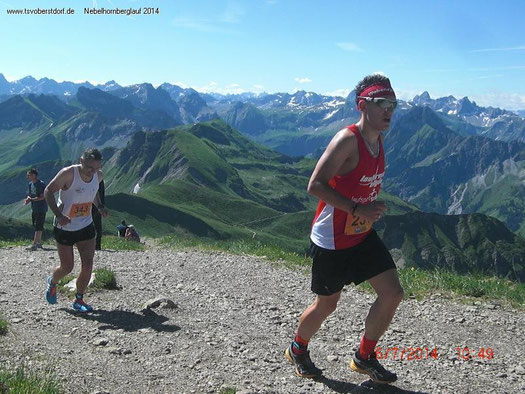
80	210
356	225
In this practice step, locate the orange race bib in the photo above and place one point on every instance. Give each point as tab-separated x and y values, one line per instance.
356	225
80	210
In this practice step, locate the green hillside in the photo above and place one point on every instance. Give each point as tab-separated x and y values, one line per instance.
158	213
442	171
207	181
11	229
460	243
214	156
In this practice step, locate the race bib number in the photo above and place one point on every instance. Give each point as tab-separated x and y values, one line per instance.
356	225
80	210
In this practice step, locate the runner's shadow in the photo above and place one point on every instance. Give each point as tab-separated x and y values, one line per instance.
126	320
367	387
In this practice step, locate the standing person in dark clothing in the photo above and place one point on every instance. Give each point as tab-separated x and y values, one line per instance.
35	196
97	218
345	247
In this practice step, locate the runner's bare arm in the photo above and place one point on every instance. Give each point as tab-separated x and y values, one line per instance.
101	208
61	181
336	159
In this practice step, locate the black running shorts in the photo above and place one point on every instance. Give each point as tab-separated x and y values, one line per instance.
69	238
333	269
38	220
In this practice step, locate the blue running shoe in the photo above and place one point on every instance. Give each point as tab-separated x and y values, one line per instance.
51	291
81	306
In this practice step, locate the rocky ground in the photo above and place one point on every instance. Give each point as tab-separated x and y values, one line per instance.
234	317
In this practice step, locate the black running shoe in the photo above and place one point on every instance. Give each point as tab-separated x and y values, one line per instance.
372	368
304	367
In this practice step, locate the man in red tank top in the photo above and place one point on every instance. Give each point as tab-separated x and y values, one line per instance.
345	248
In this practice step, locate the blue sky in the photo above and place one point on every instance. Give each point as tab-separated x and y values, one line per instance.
462	48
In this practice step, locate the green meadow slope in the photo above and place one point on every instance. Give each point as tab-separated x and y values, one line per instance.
208	181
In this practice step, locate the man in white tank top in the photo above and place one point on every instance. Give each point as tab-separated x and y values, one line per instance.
77	188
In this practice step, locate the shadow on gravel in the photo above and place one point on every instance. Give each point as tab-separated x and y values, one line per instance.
42	249
367	387
126	320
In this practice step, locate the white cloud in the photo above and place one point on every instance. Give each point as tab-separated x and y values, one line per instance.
510	101
179	84
231	15
349	46
491	69
203	25
487	77
91	81
302	80
11	78
214	87
508	49
338	92
409	94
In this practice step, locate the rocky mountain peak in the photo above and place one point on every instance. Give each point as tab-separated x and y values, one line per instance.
466	107
421	99
110	85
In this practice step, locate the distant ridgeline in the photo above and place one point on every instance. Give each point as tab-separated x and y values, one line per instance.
196	175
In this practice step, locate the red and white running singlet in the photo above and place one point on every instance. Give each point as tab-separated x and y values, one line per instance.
333	228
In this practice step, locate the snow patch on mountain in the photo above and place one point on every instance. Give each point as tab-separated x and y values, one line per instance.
455	208
330	114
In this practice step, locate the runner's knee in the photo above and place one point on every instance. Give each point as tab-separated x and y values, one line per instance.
326	305
66	268
393	295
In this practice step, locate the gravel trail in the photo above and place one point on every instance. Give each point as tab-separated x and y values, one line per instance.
234	317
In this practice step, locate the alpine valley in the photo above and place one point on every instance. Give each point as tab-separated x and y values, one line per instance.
236	167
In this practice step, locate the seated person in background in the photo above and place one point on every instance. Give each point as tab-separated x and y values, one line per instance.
131	234
121	228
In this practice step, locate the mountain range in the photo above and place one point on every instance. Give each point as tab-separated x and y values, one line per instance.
175	162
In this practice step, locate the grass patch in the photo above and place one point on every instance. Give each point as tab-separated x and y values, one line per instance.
22	381
419	283
62	285
116	243
105	279
15	242
227	390
239	247
3	326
